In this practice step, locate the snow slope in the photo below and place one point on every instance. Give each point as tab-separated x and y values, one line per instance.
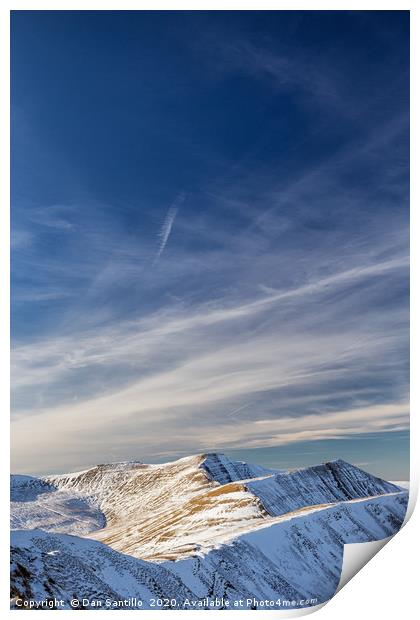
163	511
36	503
329	483
170	511
45	565
297	558
196	529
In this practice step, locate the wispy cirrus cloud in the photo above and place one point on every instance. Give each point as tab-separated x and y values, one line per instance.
297	332
300	330
284	70
168	222
181	366
280	313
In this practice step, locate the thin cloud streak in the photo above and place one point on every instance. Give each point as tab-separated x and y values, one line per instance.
168	223
80	432
152	373
165	231
322	331
49	359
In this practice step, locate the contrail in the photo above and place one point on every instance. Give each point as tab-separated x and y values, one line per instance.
165	231
232	413
168	222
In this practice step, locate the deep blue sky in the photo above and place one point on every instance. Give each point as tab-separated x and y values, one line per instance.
210	236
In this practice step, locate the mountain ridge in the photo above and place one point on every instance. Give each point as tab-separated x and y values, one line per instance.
294	559
199	527
168	511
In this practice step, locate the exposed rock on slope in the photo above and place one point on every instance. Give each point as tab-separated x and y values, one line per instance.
46	565
236	530
222	470
297	558
330	483
164	511
173	510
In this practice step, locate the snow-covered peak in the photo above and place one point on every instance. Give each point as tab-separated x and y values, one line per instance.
219	468
329	483
171	510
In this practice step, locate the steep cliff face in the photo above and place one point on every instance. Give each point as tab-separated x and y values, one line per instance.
157	512
173	510
236	530
46	565
221	469
336	481
297	558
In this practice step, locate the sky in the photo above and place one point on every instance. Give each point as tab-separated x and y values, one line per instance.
210	237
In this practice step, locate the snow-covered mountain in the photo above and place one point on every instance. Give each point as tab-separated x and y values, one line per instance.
37	503
329	483
200	527
298	557
221	469
164	511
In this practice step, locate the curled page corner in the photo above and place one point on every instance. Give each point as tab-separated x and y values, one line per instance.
413	489
357	555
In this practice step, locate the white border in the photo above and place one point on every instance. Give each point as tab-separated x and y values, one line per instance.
386	586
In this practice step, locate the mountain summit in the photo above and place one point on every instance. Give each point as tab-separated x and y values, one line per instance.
245	526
